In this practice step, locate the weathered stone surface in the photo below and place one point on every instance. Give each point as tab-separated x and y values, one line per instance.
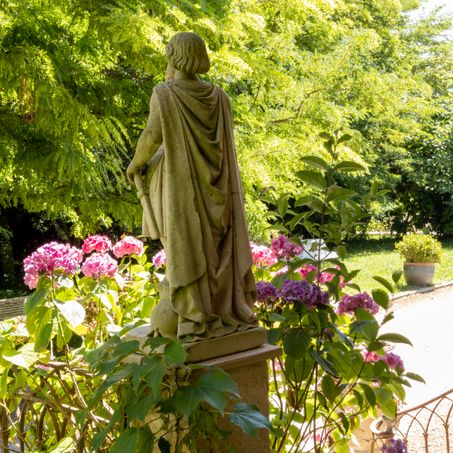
192	199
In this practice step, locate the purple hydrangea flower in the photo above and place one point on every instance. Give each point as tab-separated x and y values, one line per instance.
266	292
393	361
394	446
349	304
318	297
296	291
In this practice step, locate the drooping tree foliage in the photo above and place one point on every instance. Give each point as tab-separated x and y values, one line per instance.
76	76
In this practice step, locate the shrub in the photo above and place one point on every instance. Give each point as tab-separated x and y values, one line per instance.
419	248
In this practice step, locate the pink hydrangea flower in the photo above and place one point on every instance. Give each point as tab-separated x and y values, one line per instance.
49	258
262	255
323	276
284	249
99	265
393	361
349	304
160	259
97	243
128	246
370	356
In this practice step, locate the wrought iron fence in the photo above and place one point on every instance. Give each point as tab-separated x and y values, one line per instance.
427	428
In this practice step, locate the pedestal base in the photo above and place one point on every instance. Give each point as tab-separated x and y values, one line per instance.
249	370
199	351
244	357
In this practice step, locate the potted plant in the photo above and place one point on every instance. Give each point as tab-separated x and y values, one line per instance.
420	253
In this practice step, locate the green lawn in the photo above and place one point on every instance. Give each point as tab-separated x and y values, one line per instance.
378	257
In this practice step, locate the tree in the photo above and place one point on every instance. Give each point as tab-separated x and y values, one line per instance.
76	78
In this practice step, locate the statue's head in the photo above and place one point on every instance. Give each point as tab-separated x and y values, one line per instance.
187	52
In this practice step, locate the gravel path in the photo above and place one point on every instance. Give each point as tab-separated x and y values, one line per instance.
427	320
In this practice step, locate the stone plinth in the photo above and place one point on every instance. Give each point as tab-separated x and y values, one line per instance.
244	357
249	369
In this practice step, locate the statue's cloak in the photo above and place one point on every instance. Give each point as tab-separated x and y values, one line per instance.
196	198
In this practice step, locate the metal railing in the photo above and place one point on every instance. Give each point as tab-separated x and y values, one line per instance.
427	427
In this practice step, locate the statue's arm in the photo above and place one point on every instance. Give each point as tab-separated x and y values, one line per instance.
148	142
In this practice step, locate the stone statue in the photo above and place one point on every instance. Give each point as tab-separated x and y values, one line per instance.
193	201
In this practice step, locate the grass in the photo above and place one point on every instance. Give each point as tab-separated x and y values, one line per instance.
378	257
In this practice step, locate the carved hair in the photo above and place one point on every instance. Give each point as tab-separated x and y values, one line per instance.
187	52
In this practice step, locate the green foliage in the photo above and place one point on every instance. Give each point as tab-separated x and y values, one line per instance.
334	371
70	366
419	248
76	78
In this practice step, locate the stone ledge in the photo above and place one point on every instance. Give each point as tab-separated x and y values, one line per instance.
262	353
421	290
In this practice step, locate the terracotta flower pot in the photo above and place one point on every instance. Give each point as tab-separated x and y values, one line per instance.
419	274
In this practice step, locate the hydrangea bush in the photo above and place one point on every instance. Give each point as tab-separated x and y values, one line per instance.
78	373
336	368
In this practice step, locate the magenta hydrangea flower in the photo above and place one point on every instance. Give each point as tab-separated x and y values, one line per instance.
266	292
393	361
128	246
284	249
99	265
96	243
160	259
349	304
323	276
370	356
49	258
394	446
262	255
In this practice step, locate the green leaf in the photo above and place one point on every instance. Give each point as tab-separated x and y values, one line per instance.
389	409
415	377
296	343
249	419
174	353
4	382
344	138
325	364
335	193
341	251
349	166
186	400
133	440
141	408
214	387
66	445
25	357
396	276
366	327
385	283
72	311
273	336
388	317
328	387
315	161
381	297
312	178
394	338
43	331
99	437
369	394
38	296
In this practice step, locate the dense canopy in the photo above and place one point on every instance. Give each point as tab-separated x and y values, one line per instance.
76	76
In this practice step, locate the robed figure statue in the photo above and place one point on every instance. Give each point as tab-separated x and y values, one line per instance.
194	204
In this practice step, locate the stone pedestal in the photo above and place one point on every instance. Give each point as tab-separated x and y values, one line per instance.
249	369
244	357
